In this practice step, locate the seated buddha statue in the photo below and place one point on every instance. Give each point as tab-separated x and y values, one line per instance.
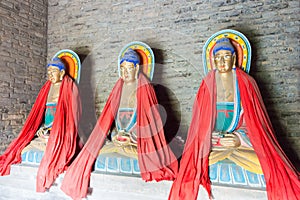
229	138
51	127
123	137
55	73
230	125
131	121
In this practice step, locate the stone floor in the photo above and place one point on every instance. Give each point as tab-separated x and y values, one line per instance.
20	184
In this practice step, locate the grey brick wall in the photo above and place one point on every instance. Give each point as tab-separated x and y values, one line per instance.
176	31
23	42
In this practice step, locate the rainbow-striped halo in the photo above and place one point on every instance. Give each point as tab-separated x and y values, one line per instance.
239	42
72	60
147	61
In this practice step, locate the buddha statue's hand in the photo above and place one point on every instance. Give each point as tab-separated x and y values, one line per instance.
123	138
43	133
223	141
216	138
230	140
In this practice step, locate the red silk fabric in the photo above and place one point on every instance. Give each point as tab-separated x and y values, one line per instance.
282	179
62	141
193	169
155	158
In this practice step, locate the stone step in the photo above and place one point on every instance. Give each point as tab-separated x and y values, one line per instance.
8	192
106	186
21	185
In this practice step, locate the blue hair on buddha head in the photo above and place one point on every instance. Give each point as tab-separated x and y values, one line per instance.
223	44
130	56
57	62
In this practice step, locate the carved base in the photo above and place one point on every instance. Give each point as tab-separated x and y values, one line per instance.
21	185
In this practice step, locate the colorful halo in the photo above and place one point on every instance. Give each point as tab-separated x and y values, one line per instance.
147	61
73	63
240	43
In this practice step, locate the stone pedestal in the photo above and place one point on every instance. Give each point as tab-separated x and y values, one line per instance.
20	184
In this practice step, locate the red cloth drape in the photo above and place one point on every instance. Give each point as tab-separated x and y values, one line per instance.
282	180
62	141
193	169
156	160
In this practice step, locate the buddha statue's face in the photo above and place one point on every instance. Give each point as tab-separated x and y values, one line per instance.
224	61
54	74
129	72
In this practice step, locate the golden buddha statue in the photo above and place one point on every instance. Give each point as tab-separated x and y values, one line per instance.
232	145
131	121
123	138
231	140
55	74
49	136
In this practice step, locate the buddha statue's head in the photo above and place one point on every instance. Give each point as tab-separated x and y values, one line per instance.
224	55
55	70
129	66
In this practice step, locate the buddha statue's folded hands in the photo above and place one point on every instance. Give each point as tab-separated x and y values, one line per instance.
223	141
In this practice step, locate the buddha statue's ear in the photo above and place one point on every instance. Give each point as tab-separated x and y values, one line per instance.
137	69
233	60
241	46
72	63
62	74
146	56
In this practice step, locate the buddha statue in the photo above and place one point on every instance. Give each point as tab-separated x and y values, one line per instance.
55	73
51	126
123	137
228	141
131	120
230	126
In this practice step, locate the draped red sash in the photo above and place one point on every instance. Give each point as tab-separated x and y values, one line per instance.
282	179
156	160
62	141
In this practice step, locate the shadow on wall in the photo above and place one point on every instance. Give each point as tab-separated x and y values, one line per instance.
170	109
88	117
280	132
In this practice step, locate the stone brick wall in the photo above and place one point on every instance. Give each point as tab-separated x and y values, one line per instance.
176	31
23	42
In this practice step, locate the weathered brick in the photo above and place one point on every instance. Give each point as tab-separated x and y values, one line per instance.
176	30
18	32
